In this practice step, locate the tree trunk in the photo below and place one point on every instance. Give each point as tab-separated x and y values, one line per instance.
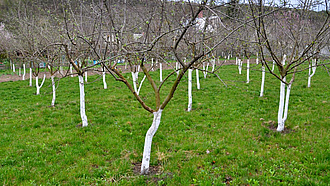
54	90
82	101
104	82
280	126
85	76
148	141
189	89
248	71
197	79
311	68
19	71
37	83
30	77
273	66
71	70
262	81
134	81
13	67
160	72
23	77
239	66
138	91
176	68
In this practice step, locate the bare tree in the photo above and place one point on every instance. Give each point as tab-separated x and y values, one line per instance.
291	41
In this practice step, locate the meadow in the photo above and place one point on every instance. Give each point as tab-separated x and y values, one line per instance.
227	138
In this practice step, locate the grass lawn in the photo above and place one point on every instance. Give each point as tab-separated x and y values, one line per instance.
227	138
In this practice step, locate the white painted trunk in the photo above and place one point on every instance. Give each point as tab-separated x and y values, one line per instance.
37	84
176	68
205	68
248	71
240	66
160	72
86	76
148	141
197	79
280	126
71	70
312	67
19	71
30	77
257	60
82	101
273	66
236	61
152	64
138	92
23	77
213	64
54	90
14	68
61	70
105	86
189	89
134	81
262	81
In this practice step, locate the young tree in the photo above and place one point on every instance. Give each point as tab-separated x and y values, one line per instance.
288	37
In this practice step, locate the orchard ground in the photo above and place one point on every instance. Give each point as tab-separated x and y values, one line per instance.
228	137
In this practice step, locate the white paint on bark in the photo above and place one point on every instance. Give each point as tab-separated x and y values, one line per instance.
205	68
82	101
140	85
213	64
240	63
54	90
312	67
23	76
197	79
248	71
134	81
19	71
262	81
37	83
71	70
148	141
105	86
160	72
176	68
86	76
152	64
273	66
14	68
30	77
189	90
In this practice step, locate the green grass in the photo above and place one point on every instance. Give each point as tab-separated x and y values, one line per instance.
43	145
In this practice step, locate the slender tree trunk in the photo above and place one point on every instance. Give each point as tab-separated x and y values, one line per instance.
54	90
86	74
189	89
280	126
104	82
82	101
71	70
262	81
248	71
312	67
197	79
152	64
176	68
13	67
30	77
138	91
37	83
19	71
273	66
213	64
240	63
23	77
134	81
160	72
148	141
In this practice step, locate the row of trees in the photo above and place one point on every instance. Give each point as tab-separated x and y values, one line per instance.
190	33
